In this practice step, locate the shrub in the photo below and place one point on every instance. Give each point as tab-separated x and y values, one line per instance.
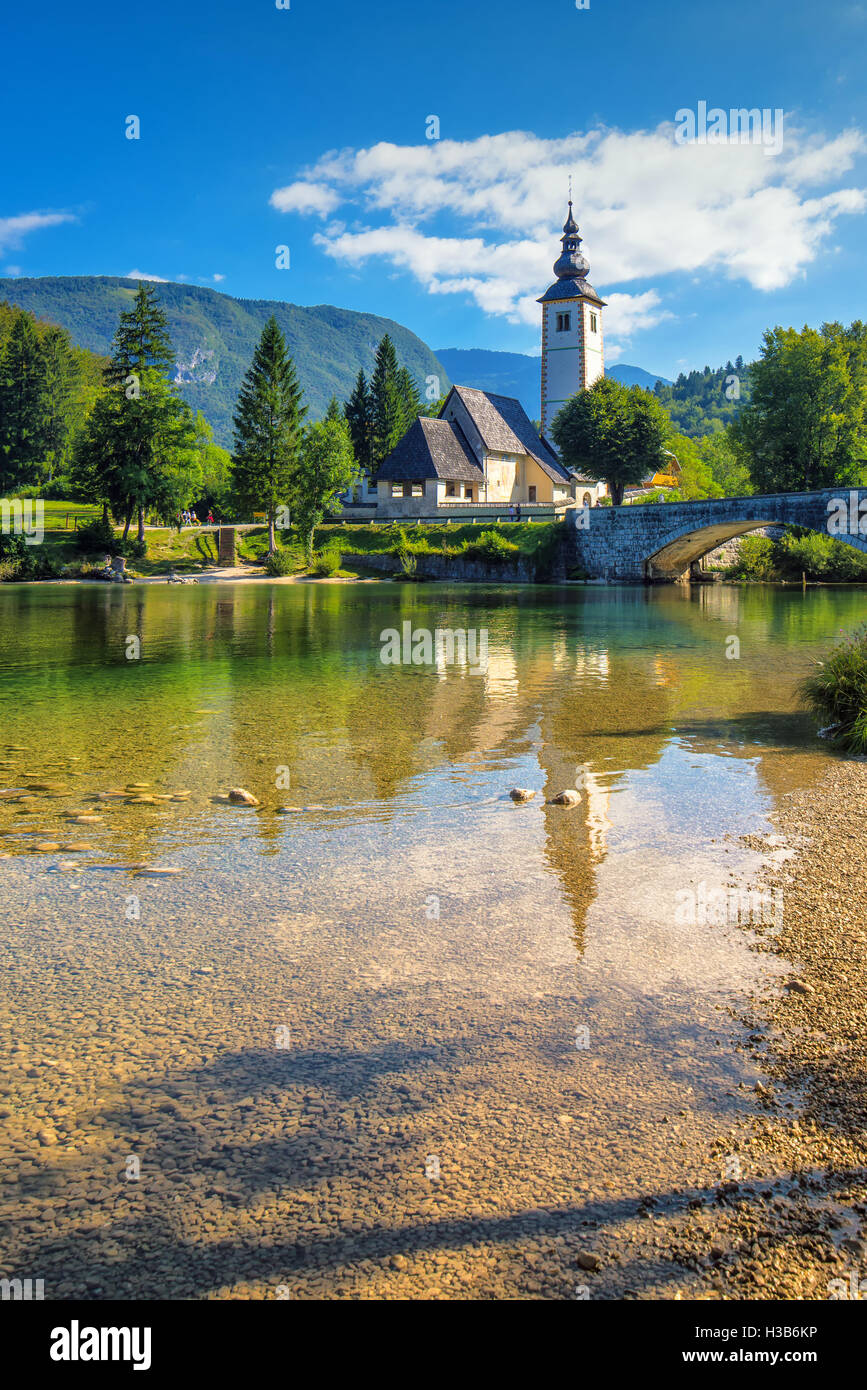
796	552
280	562
20	561
491	545
408	565
96	535
58	490
99	537
326	562
819	557
836	692
756	560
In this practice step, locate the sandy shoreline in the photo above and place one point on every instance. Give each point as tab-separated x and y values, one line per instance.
224	576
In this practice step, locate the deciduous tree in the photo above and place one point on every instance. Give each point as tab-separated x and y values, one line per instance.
612	433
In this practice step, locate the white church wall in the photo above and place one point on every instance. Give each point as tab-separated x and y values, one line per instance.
594	364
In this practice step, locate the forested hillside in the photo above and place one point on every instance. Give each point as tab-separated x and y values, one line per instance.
702	402
214	337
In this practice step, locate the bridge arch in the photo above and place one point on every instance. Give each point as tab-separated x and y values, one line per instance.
685	545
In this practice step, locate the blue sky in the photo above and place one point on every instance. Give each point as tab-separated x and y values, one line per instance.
306	127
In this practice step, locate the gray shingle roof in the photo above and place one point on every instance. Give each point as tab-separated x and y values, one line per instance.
571	289
505	428
431	449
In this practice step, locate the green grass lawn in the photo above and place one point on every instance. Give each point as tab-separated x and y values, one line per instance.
193	551
529	536
61	516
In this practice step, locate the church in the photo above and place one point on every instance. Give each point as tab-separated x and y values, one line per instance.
483	455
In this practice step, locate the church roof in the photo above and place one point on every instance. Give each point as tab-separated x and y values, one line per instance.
431	449
571	269
505	428
571	289
439	448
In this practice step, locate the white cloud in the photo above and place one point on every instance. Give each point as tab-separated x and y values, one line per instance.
218	278
140	275
14	270
13	230
305	198
650	207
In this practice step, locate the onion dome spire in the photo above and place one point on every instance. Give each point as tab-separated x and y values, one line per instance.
570	264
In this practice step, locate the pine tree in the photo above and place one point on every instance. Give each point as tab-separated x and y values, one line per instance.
334	412
359	418
142	341
267	428
388	402
410	399
23	405
139	450
61	381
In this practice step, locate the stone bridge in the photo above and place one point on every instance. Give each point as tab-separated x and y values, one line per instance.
659	541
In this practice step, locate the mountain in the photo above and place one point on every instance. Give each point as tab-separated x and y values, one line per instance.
504	373
214	337
515	374
635	376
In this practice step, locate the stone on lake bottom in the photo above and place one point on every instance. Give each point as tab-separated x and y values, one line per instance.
566	798
522	794
239	796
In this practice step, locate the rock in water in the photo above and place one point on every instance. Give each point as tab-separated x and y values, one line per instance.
522	794
567	798
240	797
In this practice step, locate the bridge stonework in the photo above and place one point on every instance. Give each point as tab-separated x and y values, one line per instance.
659	541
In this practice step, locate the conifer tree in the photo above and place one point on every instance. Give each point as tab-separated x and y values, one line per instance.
410	398
267	428
23	405
61	408
139	450
333	412
359	418
388	402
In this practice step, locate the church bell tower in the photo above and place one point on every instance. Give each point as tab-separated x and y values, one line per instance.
572	357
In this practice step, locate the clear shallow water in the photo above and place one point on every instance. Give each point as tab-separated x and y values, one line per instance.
401	971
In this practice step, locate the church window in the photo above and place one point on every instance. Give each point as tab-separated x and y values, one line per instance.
450	490
564	323
531	494
593	324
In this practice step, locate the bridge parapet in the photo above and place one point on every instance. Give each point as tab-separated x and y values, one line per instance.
659	541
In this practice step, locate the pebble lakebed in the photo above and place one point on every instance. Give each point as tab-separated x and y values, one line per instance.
303	1171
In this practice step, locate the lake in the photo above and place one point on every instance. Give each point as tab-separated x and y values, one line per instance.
386	1034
